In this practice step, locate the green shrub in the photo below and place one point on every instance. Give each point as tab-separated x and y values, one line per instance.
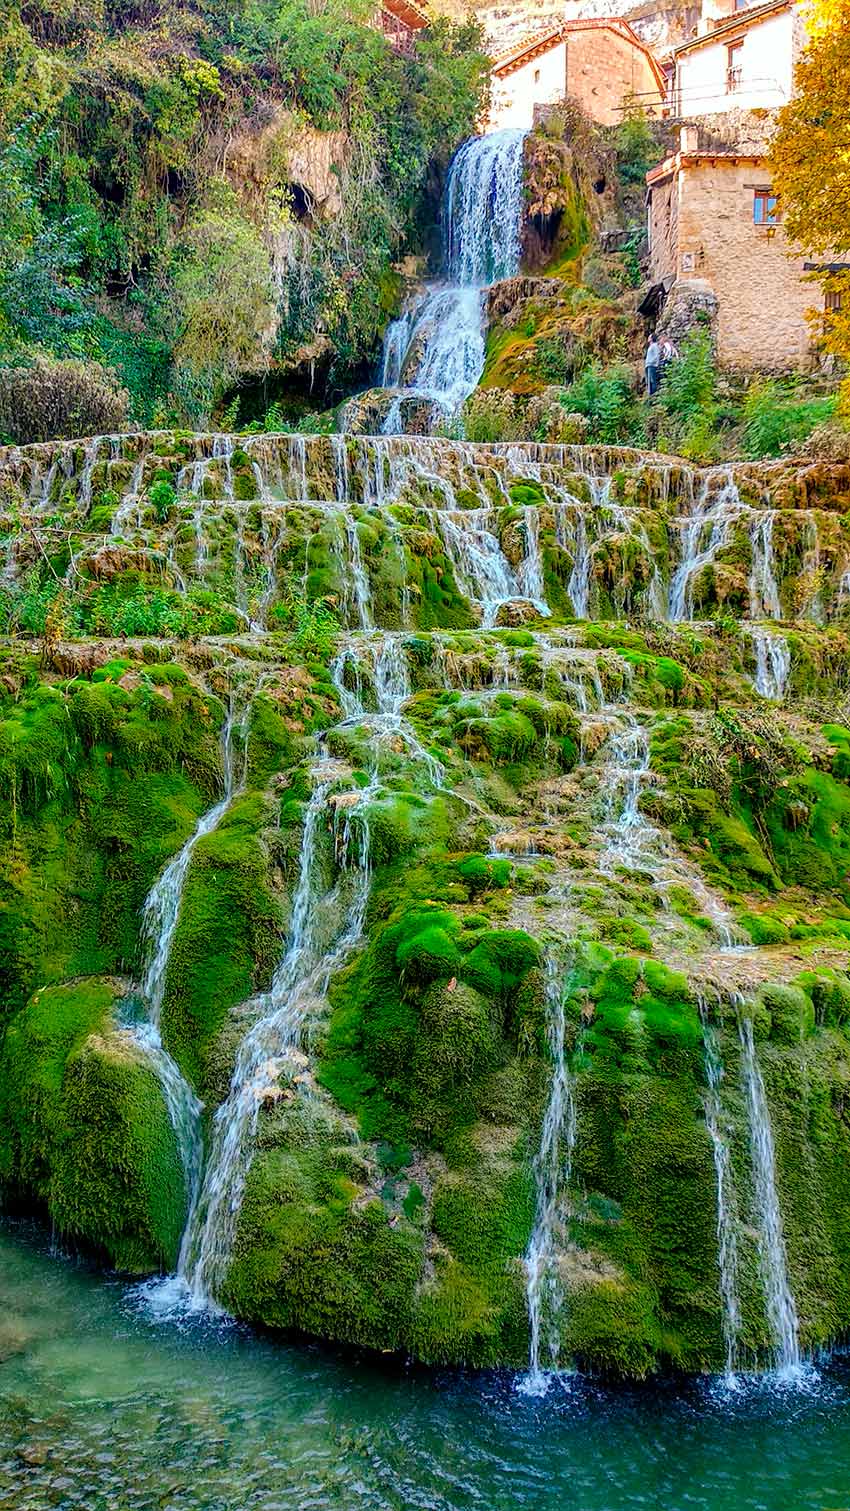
776	419
49	399
605	397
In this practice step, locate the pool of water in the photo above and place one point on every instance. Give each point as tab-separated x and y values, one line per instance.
105	1408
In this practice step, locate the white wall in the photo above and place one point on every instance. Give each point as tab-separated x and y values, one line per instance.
765	62
515	97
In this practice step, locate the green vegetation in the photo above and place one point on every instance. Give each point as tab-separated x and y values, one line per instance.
134	242
84	1128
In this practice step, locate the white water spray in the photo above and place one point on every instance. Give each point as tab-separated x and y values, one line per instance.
434	353
781	1308
552	1173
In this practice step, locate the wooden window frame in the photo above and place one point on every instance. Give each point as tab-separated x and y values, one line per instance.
770	208
733	64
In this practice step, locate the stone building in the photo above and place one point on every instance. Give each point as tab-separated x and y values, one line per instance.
742	58
717	247
598	61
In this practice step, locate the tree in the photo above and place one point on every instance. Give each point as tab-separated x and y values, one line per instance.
810	163
225	298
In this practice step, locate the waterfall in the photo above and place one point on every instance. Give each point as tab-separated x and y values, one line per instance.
781	1309
359	578
764	590
530	573
129	504
629	835
434	353
183	1107
578	586
301	979
159	920
162	904
727	1237
552	1172
716	517
482	209
634	843
388	671
773	664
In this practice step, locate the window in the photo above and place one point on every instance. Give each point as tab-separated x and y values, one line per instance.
734	58
537	75
764	208
832	301
741	4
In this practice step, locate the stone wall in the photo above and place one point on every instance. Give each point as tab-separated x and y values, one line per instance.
664	230
761	293
602	68
661	24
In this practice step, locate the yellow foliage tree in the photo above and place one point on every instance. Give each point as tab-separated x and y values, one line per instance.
810	164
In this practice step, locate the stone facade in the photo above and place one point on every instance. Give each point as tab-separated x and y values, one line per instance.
704	235
606	63
598	62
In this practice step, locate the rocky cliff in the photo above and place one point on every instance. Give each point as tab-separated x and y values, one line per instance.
476	853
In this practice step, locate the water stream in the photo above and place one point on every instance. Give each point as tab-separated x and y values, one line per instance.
727	1208
104	1405
552	1173
434	353
773	663
269	1048
781	1308
160	913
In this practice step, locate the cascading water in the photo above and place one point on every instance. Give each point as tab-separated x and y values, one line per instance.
781	1308
634	844
434	354
382	659
714	516
630	835
162	904
773	663
159	920
727	1232
764	590
552	1173
301	979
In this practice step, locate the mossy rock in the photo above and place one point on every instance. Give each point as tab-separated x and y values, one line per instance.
84	1128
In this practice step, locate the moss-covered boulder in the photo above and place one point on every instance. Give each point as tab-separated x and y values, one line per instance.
84	1127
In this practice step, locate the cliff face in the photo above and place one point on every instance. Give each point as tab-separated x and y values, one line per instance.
662	24
512	941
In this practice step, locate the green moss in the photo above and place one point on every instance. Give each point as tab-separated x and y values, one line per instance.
84	1128
227	937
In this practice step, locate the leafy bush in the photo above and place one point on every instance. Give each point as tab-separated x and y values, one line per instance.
688	396
775	420
162	496
47	400
605	397
635	146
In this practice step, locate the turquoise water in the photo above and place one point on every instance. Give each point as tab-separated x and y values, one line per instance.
105	1409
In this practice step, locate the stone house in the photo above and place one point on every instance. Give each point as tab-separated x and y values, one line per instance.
598	61
717	247
742	58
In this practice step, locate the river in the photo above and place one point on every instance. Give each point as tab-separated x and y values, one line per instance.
104	1408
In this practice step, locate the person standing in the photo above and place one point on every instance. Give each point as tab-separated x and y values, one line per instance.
652	363
669	353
